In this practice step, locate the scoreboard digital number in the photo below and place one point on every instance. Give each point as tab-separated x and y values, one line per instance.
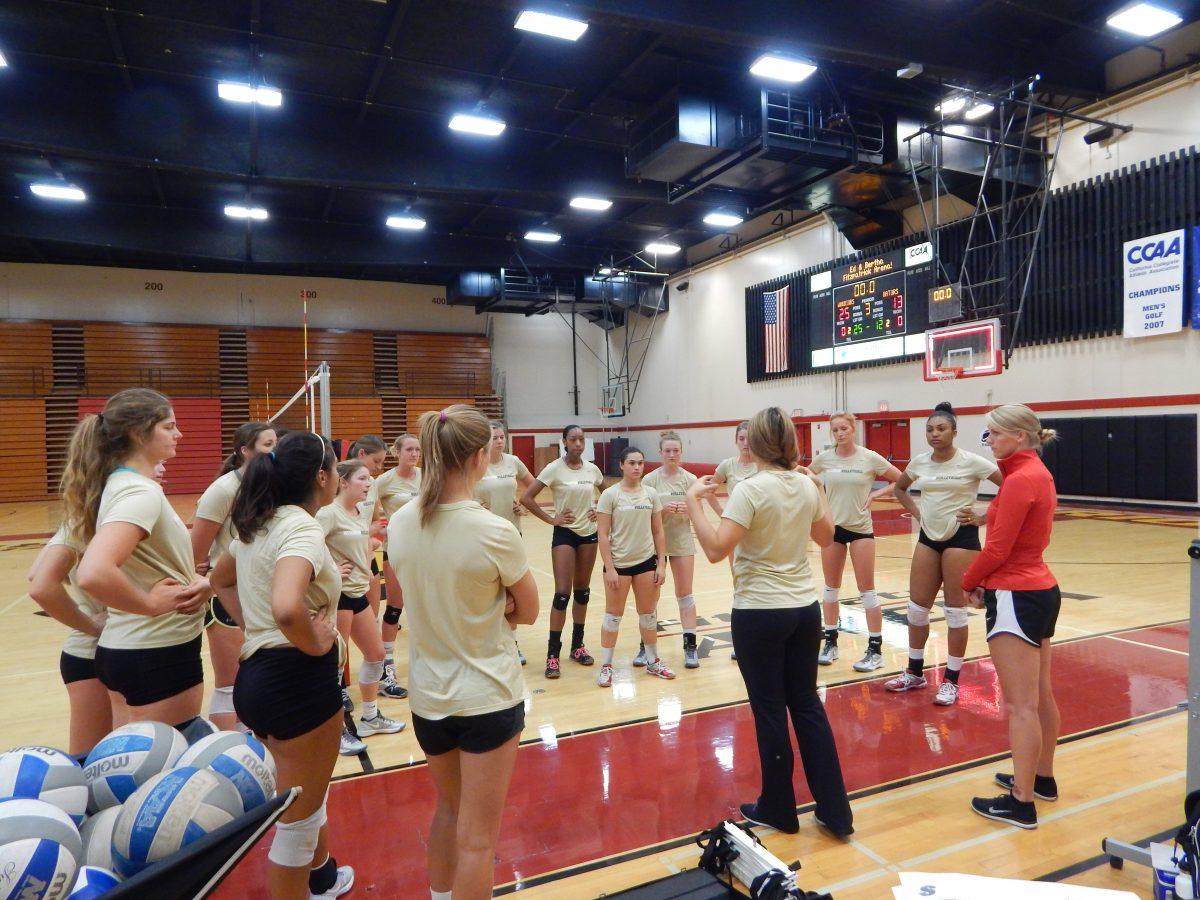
870	308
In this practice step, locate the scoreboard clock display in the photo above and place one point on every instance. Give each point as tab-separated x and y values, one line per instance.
868	309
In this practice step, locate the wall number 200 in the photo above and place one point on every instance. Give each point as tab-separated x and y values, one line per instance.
154	285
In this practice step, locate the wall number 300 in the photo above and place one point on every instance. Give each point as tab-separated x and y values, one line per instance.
154	285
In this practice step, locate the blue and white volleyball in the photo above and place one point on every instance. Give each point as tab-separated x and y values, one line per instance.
92	882
39	851
43	773
127	759
168	812
242	758
97	838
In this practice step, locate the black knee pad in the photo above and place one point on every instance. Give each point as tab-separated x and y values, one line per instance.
560	601
583	595
391	615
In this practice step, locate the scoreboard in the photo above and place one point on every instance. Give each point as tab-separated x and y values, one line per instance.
867	309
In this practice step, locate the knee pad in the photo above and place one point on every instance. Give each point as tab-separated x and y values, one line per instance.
370	672
583	595
686	602
957	617
391	615
610	623
560	601
221	700
917	614
830	594
869	599
296	842
648	621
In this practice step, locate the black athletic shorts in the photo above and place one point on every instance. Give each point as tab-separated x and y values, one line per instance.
353	604
1030	615
966	538
282	692
147	676
471	734
75	668
215	613
565	537
641	568
846	536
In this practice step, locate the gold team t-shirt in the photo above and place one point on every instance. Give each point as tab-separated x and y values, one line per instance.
848	483
392	491
733	471
348	537
165	552
574	490
454	569
291	531
632	513
677	526
214	505
497	489
77	643
946	488
770	563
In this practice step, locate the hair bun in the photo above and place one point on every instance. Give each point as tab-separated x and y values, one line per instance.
944	407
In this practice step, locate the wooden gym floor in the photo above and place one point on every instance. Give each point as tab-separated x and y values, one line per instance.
612	785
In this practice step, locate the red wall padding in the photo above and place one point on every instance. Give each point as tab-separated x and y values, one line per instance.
199	458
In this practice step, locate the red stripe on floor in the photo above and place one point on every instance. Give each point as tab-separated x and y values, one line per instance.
1171	637
616	790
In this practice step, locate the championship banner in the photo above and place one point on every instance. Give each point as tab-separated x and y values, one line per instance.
1154	284
775	329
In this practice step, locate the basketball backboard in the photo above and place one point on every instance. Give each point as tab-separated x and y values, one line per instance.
972	347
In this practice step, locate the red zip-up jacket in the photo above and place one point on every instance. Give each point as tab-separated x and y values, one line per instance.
1018	529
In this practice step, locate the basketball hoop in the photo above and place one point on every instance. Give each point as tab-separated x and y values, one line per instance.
943	376
606	412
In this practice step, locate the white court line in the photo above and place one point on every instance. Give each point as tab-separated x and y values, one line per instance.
20	599
1143	644
27	674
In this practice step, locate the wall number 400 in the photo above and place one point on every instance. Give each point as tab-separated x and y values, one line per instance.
154	285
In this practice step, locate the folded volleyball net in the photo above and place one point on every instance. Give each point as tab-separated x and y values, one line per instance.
315	395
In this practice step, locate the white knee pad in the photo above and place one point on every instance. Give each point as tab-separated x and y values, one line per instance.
686	602
610	622
830	594
221	700
917	614
956	617
648	621
296	842
869	599
370	672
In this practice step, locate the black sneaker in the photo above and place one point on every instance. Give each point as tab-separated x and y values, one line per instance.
347	702
1006	808
393	690
843	833
1044	788
751	814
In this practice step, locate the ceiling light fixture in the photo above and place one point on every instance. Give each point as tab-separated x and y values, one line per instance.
595	204
471	124
406	223
781	68
723	219
58	192
951	105
980	109
553	26
545	237
662	248
236	211
605	270
245	93
1143	19
3	61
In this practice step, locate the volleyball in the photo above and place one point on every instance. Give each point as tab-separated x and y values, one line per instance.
93	882
127	758
97	838
43	773
168	812
39	851
242	758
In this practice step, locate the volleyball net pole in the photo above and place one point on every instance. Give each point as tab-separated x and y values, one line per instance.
315	392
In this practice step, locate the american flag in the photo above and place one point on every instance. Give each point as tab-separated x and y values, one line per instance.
775	329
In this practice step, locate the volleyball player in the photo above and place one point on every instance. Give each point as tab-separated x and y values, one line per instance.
211	534
347	529
1011	581
634	550
279	574
138	559
573	481
467	579
766	525
392	490
849	473
671	481
372	451
497	489
948	479
729	472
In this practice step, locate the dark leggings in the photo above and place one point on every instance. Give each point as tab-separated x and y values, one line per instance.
777	655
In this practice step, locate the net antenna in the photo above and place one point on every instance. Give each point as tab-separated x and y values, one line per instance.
315	392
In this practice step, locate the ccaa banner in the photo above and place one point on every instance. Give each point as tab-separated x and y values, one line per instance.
1154	284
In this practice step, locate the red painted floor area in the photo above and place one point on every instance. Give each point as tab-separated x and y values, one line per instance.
617	790
1172	637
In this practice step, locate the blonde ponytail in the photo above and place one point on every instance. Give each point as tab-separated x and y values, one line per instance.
1014	417
448	440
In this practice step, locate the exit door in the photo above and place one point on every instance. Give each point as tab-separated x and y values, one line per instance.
889	438
804	442
522	448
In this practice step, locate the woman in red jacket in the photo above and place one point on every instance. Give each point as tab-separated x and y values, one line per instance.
1010	579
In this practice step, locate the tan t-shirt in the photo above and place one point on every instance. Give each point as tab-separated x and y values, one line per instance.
348	536
461	657
733	471
77	643
946	488
574	490
497	489
291	531
165	552
392	491
215	504
770	563
630	535
848	483
677	526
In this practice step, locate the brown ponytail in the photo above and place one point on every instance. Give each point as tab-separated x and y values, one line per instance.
448	440
245	436
772	438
